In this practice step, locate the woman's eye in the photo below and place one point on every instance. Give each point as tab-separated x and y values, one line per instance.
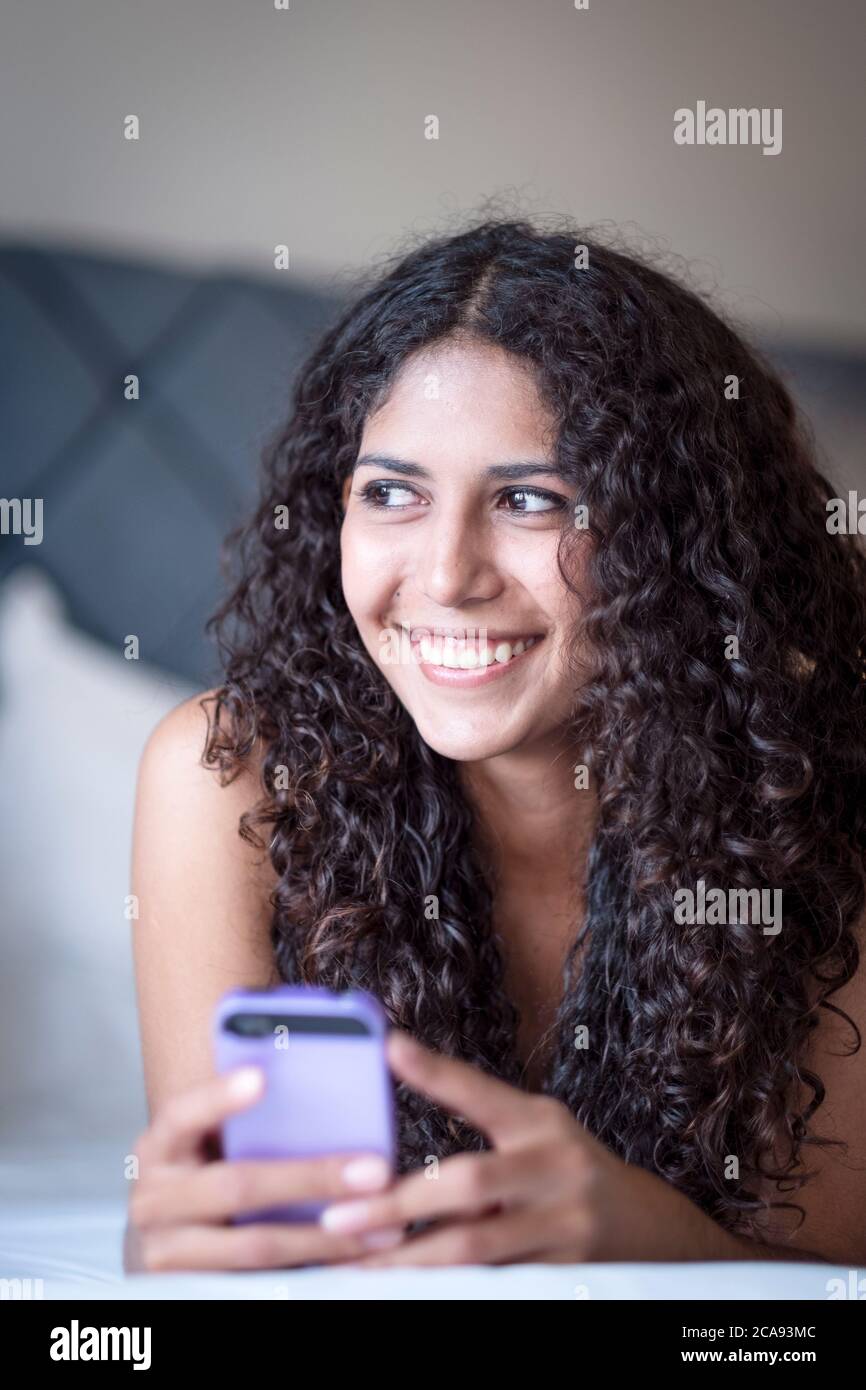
532	499
387	494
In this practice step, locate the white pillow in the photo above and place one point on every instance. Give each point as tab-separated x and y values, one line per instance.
74	717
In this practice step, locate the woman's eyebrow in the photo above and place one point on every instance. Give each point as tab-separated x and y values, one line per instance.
506	472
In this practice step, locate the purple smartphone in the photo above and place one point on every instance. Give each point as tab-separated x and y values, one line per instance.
327	1085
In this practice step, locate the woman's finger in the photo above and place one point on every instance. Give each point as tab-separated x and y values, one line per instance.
526	1235
178	1127
215	1191
492	1106
269	1245
466	1185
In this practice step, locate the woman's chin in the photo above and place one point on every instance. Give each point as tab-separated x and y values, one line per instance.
468	745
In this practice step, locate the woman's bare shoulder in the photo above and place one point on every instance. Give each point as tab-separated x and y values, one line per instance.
177	744
194	806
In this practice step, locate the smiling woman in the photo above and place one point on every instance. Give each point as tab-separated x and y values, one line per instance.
413	675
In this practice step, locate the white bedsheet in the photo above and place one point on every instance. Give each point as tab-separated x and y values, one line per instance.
62	1218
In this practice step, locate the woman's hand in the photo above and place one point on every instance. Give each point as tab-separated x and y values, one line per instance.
180	1205
548	1191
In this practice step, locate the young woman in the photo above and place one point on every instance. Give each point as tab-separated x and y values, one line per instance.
543	720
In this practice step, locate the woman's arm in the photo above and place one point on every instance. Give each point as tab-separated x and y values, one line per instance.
204	918
203	928
549	1191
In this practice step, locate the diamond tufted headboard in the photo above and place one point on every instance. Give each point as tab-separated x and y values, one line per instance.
139	494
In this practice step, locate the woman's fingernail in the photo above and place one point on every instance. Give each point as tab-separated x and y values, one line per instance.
383	1240
345	1216
366	1173
246	1081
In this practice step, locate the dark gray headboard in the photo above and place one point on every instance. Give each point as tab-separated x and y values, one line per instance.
138	495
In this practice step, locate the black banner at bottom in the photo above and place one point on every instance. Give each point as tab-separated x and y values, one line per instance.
63	1337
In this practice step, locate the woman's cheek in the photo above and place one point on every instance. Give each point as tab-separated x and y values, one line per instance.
368	581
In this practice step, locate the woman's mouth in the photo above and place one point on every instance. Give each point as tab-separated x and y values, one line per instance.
469	660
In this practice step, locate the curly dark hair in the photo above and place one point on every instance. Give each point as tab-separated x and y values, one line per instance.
707	516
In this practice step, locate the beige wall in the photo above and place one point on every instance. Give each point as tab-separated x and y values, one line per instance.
306	127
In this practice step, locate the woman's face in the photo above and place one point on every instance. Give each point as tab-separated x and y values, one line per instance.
449	542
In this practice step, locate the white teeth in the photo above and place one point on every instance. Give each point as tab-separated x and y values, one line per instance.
456	655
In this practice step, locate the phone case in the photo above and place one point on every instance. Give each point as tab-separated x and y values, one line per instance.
327	1085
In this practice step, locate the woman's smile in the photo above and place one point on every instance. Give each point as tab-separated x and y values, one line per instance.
471	658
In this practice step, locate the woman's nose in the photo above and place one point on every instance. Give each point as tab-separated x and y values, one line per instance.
457	565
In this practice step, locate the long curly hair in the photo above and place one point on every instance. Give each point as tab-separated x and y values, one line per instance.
707	521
